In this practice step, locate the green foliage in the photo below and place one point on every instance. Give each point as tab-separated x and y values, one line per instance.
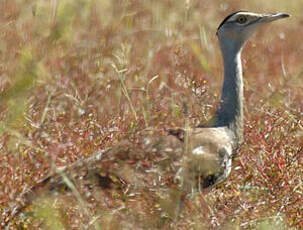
16	95
65	14
271	224
46	212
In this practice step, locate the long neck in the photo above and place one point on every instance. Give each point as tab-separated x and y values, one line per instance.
230	113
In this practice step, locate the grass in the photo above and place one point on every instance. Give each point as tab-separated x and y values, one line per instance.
81	76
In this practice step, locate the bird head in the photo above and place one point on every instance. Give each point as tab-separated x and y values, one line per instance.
236	28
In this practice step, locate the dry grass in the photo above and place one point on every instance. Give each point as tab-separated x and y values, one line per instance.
80	76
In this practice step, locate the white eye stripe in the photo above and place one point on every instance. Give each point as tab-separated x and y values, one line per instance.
232	17
247	15
247	22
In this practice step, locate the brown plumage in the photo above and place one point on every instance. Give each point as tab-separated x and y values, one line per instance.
209	151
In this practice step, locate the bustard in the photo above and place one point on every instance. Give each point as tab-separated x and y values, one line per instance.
209	150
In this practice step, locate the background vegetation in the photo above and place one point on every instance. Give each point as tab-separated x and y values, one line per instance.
77	76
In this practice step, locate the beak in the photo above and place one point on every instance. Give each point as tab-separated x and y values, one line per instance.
272	17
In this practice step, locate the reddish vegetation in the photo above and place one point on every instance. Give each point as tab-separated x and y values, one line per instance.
80	77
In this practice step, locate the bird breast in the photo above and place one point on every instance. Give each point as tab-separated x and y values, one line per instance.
209	153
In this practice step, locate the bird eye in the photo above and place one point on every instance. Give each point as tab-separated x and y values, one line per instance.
242	19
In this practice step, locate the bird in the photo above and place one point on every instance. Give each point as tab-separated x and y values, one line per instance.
209	150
